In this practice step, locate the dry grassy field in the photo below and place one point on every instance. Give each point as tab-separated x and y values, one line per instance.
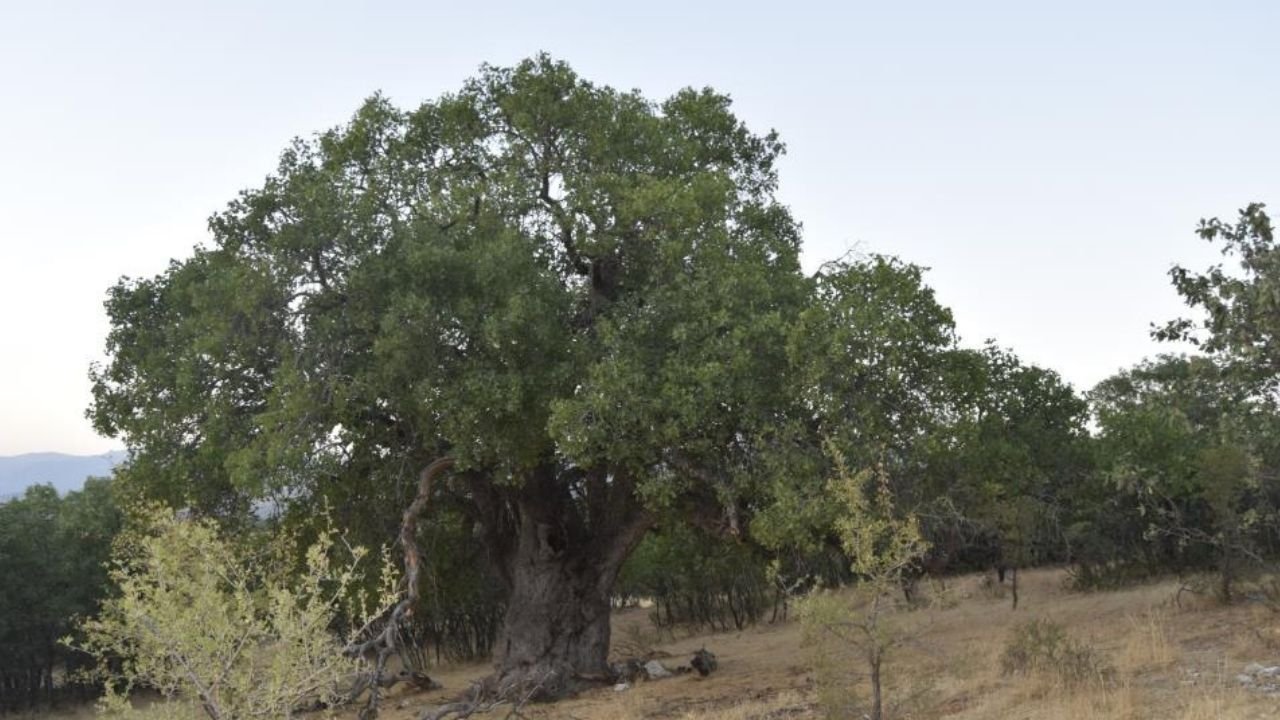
1165	660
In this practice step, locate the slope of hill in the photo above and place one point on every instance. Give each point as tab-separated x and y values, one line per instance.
1159	660
64	472
1162	660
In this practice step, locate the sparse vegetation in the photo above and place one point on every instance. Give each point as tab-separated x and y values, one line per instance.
1043	647
884	547
1165	663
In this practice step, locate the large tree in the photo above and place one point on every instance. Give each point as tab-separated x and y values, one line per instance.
1008	451
579	296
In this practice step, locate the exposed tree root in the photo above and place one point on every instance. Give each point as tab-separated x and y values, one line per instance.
493	693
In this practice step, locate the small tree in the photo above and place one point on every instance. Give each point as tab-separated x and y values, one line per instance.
223	632
884	546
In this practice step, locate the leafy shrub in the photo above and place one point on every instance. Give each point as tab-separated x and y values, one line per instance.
1042	647
884	547
217	629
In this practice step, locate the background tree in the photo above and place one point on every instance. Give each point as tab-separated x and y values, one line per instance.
1191	445
699	580
984	449
868	354
1007	450
52	552
1240	319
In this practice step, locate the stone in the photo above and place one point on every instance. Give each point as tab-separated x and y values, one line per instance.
656	670
704	661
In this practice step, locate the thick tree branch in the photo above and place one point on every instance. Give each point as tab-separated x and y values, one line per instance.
384	642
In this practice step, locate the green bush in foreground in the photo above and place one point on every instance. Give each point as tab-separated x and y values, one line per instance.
221	631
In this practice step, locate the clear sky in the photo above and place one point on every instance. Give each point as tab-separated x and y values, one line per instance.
1048	161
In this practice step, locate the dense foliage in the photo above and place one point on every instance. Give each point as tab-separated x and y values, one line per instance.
52	569
696	579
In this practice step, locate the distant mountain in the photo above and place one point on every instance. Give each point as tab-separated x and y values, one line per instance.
64	472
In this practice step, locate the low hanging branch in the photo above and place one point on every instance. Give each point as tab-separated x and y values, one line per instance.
384	641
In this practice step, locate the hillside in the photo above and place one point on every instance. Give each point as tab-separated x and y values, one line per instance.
64	472
1167	656
1163	658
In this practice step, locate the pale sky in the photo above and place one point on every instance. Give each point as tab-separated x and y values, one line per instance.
1048	164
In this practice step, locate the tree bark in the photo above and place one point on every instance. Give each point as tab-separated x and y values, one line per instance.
560	573
557	542
877	697
556	629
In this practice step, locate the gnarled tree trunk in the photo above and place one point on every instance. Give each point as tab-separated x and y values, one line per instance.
556	629
560	567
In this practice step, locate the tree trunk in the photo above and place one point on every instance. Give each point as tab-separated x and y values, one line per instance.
560	572
556	629
877	697
1227	576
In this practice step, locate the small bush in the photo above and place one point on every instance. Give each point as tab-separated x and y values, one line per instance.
1042	647
884	547
223	632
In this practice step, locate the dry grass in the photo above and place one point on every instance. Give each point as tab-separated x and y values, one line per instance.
1147	644
1169	663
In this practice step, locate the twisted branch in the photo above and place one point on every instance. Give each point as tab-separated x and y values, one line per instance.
384	642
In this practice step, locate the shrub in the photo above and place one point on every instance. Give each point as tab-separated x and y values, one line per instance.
219	630
884	547
1042	647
